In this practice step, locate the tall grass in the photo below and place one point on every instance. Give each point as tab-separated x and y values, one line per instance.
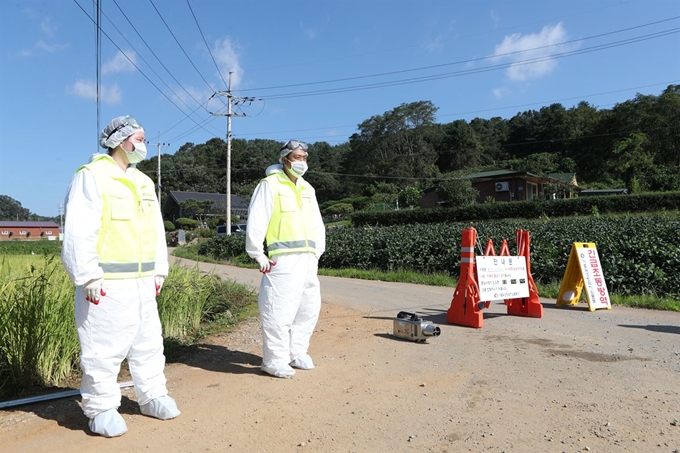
183	302
38	338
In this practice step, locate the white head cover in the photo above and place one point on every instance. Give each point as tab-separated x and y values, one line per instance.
289	147
118	130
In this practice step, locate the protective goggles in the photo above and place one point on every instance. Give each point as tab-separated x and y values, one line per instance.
128	120
294	144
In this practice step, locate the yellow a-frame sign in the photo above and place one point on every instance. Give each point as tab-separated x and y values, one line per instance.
584	270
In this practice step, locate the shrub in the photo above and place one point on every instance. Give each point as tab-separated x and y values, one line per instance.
186	223
525	209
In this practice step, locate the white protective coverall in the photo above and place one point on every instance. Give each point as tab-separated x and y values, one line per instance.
289	298
125	323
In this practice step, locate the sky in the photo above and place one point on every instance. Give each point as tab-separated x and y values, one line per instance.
309	70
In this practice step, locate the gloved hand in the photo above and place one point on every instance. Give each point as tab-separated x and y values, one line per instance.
159	279
93	289
265	264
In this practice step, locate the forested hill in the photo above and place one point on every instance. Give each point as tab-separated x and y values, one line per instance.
635	144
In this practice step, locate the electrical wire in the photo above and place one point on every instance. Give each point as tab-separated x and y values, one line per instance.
180	46
154	54
98	64
468	61
133	63
474	71
206	44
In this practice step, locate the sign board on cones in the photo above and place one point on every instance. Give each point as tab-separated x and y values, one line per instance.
584	271
502	277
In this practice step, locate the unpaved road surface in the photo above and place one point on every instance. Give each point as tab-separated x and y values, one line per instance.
572	381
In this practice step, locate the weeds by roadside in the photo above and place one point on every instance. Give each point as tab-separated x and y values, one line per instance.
38	340
546	290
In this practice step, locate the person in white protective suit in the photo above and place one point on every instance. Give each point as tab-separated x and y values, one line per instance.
115	253
284	212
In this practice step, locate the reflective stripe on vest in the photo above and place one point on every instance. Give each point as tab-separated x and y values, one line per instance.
126	244
291	228
291	245
110	268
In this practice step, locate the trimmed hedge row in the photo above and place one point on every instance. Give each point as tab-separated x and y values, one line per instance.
639	254
525	209
40	247
224	247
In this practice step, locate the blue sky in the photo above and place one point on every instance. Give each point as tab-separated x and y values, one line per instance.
315	69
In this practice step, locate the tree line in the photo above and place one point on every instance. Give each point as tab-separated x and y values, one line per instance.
635	144
400	153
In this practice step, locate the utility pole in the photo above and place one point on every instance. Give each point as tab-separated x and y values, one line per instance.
158	171
61	219
230	99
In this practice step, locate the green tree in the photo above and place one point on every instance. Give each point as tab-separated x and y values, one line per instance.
457	192
409	197
632	160
459	148
395	144
192	208
11	209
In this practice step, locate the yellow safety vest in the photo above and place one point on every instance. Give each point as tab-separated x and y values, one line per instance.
291	228
126	244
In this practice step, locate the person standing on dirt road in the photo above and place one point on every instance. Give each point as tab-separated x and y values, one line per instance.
284	212
115	253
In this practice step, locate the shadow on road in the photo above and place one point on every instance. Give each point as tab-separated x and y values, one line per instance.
655	328
67	413
218	358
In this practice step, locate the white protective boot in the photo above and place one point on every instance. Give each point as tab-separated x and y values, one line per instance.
163	407
281	370
303	362
108	424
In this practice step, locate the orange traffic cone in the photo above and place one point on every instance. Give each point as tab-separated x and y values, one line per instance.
466	309
525	306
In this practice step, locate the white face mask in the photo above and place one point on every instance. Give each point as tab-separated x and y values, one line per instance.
298	168
138	154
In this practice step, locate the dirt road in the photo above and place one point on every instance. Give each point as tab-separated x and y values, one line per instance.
572	381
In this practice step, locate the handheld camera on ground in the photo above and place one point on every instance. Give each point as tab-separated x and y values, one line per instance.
410	326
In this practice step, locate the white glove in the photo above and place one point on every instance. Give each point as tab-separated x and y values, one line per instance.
159	279
93	289
263	261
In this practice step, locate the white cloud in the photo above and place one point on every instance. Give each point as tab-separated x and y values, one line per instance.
495	18
227	55
517	49
47	27
501	92
433	45
42	45
87	89
51	48
310	33
120	63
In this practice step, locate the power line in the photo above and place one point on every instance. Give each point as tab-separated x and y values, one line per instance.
549	102
473	71
206	44
180	46
495	30
468	61
132	62
154	54
490	68
229	114
98	63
